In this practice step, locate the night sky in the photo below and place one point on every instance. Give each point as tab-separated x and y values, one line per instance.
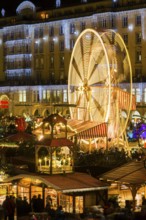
11	5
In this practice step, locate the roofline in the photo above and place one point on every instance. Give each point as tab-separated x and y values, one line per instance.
84	189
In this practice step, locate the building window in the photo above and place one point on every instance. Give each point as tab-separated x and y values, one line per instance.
72	28
138	37
61	76
67	202
52	77
44	16
145	95
41	32
42	62
22	96
138	20
138	97
133	92
62	45
58	96
138	74
52	46
38	33
51	31
79	204
125	38
36	47
62	61
41	47
52	62
113	22
83	26
36	96
46	95
125	22
65	95
36	63
72	43
94	25
104	23
138	56
61	30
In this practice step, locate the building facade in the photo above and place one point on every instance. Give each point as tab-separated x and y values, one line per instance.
36	46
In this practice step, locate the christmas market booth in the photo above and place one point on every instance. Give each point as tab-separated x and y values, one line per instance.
54	175
127	182
74	191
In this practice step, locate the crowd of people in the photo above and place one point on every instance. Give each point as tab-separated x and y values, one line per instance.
29	211
24	210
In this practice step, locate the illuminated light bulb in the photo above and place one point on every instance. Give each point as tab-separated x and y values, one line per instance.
130	27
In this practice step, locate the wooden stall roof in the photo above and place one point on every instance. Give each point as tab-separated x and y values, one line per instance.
131	173
66	183
56	142
20	136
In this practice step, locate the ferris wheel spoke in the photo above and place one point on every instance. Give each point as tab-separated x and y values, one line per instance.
93	70
76	68
87	97
99	82
79	100
92	45
110	38
97	63
98	105
82	54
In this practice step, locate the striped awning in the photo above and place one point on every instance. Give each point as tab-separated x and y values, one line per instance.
125	99
95	132
87	129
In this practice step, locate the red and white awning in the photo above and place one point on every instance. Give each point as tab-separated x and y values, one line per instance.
87	129
95	132
124	99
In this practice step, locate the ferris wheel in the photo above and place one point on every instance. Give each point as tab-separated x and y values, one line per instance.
99	65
